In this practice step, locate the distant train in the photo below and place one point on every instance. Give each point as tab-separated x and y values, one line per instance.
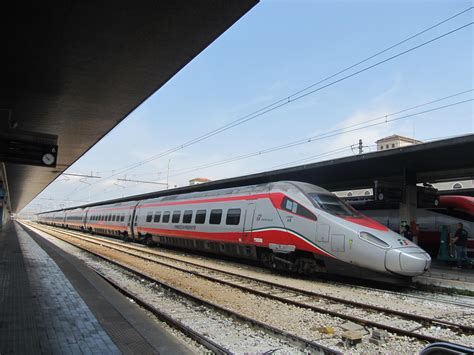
450	211
286	225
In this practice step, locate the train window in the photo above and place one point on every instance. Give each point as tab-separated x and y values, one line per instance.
149	216
296	208
215	217
200	217
157	217
113	218
233	216
166	217
334	205
187	216
122	218
289	205
176	217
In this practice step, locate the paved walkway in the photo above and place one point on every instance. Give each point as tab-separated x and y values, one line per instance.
18	331
65	323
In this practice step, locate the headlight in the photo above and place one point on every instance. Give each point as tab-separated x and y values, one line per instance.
373	239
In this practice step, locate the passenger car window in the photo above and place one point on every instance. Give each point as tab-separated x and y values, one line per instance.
149	216
233	216
166	217
200	217
176	217
215	217
187	216
157	217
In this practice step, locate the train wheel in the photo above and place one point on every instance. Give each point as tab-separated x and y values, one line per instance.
267	259
149	241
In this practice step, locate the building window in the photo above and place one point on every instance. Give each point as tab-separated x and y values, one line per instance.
200	217
457	186
166	217
157	217
216	216
176	217
386	147
149	217
233	217
349	194
187	216
381	147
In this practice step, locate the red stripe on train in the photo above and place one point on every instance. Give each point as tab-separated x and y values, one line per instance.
274	236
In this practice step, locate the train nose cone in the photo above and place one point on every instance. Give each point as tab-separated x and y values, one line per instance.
407	261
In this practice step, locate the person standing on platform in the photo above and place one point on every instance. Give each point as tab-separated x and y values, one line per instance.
460	243
406	233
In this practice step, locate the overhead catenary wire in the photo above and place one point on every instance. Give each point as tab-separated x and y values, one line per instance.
365	124
299	94
329	134
338	150
177	172
290	100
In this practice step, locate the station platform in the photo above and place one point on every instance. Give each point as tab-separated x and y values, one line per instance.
447	276
52	303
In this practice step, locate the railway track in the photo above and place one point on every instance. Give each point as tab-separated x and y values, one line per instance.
413	326
305	345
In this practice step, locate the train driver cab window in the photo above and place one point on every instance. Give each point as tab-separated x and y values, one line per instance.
215	217
157	217
149	217
187	216
166	217
200	217
176	217
233	216
334	205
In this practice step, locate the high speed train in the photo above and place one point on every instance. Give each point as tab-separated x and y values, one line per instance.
286	225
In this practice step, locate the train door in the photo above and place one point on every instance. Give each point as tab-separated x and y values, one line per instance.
248	223
132	223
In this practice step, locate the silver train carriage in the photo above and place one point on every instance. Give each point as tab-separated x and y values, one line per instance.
287	225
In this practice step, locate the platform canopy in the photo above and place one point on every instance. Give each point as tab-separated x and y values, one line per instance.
74	69
443	160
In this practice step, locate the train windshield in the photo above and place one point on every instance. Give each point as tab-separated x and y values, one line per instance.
333	205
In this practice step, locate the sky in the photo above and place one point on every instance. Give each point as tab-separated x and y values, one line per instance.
274	51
